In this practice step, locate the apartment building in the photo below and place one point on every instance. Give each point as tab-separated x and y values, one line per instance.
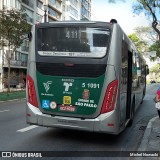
37	11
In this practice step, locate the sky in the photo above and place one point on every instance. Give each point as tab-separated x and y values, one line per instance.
123	12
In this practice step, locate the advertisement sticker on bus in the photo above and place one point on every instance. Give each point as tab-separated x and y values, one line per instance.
86	94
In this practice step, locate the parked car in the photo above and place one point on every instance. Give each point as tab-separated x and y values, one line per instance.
152	81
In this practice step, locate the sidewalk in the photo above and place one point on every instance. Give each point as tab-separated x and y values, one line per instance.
12	89
151	139
13	95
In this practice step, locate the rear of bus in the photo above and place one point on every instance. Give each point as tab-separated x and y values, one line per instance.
69	83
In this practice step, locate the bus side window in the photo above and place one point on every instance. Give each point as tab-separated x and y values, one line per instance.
124	66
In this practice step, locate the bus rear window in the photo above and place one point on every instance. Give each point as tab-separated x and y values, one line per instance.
75	42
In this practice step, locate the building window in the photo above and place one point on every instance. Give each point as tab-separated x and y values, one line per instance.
17	4
40	5
20	59
24	57
63	8
74	2
85	3
51	20
12	3
28	3
53	13
85	12
63	18
71	18
16	56
55	3
25	46
74	12
39	17
29	15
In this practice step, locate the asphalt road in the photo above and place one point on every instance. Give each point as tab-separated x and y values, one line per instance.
16	135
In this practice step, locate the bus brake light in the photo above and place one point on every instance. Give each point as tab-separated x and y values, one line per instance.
32	98
110	97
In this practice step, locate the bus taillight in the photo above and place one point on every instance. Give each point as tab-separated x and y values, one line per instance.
32	98
110	97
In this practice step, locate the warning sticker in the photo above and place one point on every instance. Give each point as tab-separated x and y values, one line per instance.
67	100
45	104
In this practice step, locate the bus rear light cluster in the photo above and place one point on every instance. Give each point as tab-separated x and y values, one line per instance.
32	98
110	97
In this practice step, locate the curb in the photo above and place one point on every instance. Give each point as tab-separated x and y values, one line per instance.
145	140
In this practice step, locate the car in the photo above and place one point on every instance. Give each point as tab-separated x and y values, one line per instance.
152	81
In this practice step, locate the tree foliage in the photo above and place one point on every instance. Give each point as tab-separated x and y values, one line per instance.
155	47
154	69
140	44
13	30
13	27
134	37
151	8
146	33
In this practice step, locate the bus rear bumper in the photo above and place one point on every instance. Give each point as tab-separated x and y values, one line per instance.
99	124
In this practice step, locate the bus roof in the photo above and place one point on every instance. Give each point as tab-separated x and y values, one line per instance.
75	23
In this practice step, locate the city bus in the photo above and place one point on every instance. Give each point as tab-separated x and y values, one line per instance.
83	76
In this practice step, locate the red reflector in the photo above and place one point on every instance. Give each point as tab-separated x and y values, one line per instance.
32	98
69	64
110	97
28	115
110	124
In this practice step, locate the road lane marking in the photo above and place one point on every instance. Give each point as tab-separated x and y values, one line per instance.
4	111
27	128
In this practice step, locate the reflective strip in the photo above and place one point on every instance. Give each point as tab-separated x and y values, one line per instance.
4	111
27	128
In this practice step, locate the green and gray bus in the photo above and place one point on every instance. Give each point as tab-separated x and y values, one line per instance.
83	75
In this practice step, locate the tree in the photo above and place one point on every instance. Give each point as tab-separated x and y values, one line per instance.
151	8
134	37
155	47
154	69
146	32
140	44
13	28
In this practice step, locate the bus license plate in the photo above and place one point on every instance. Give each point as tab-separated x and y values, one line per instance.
67	108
